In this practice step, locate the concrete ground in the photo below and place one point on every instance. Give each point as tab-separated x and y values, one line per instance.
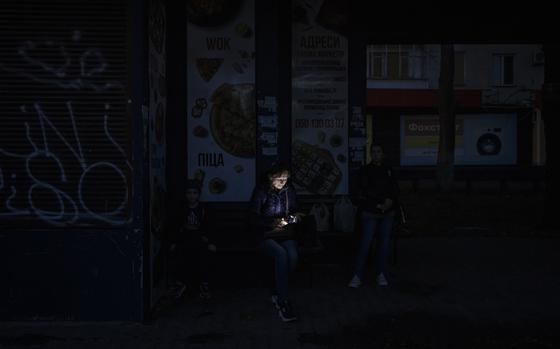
461	292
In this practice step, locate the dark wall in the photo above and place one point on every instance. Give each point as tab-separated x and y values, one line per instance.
71	275
176	122
71	262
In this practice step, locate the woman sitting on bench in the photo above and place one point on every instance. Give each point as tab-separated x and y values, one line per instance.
273	206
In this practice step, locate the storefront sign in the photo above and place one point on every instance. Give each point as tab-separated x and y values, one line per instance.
480	139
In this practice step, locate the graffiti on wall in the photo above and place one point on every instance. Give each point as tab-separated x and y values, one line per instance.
67	73
62	164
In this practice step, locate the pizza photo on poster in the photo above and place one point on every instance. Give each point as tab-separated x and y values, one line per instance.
233	119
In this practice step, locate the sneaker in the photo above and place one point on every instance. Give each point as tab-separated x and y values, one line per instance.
204	290
274	299
381	280
286	312
355	282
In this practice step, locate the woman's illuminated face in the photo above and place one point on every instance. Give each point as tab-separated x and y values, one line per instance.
279	180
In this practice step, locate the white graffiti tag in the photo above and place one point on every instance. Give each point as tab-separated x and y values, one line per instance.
68	211
91	62
59	179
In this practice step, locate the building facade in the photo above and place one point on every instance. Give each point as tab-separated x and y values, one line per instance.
498	91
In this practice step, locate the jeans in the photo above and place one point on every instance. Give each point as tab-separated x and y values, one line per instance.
285	257
372	224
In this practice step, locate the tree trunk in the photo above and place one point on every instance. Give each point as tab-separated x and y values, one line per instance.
446	150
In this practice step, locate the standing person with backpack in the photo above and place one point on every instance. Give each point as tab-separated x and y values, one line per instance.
274	205
377	198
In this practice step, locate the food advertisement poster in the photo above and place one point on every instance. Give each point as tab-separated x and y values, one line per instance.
480	139
319	100
221	100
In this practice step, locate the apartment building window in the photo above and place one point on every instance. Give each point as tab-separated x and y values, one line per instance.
396	62
376	65
503	69
459	78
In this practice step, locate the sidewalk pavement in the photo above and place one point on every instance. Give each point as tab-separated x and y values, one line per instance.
463	292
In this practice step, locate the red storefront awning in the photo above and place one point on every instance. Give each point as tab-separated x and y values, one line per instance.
414	98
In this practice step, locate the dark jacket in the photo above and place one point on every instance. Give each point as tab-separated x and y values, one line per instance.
269	205
375	183
196	226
